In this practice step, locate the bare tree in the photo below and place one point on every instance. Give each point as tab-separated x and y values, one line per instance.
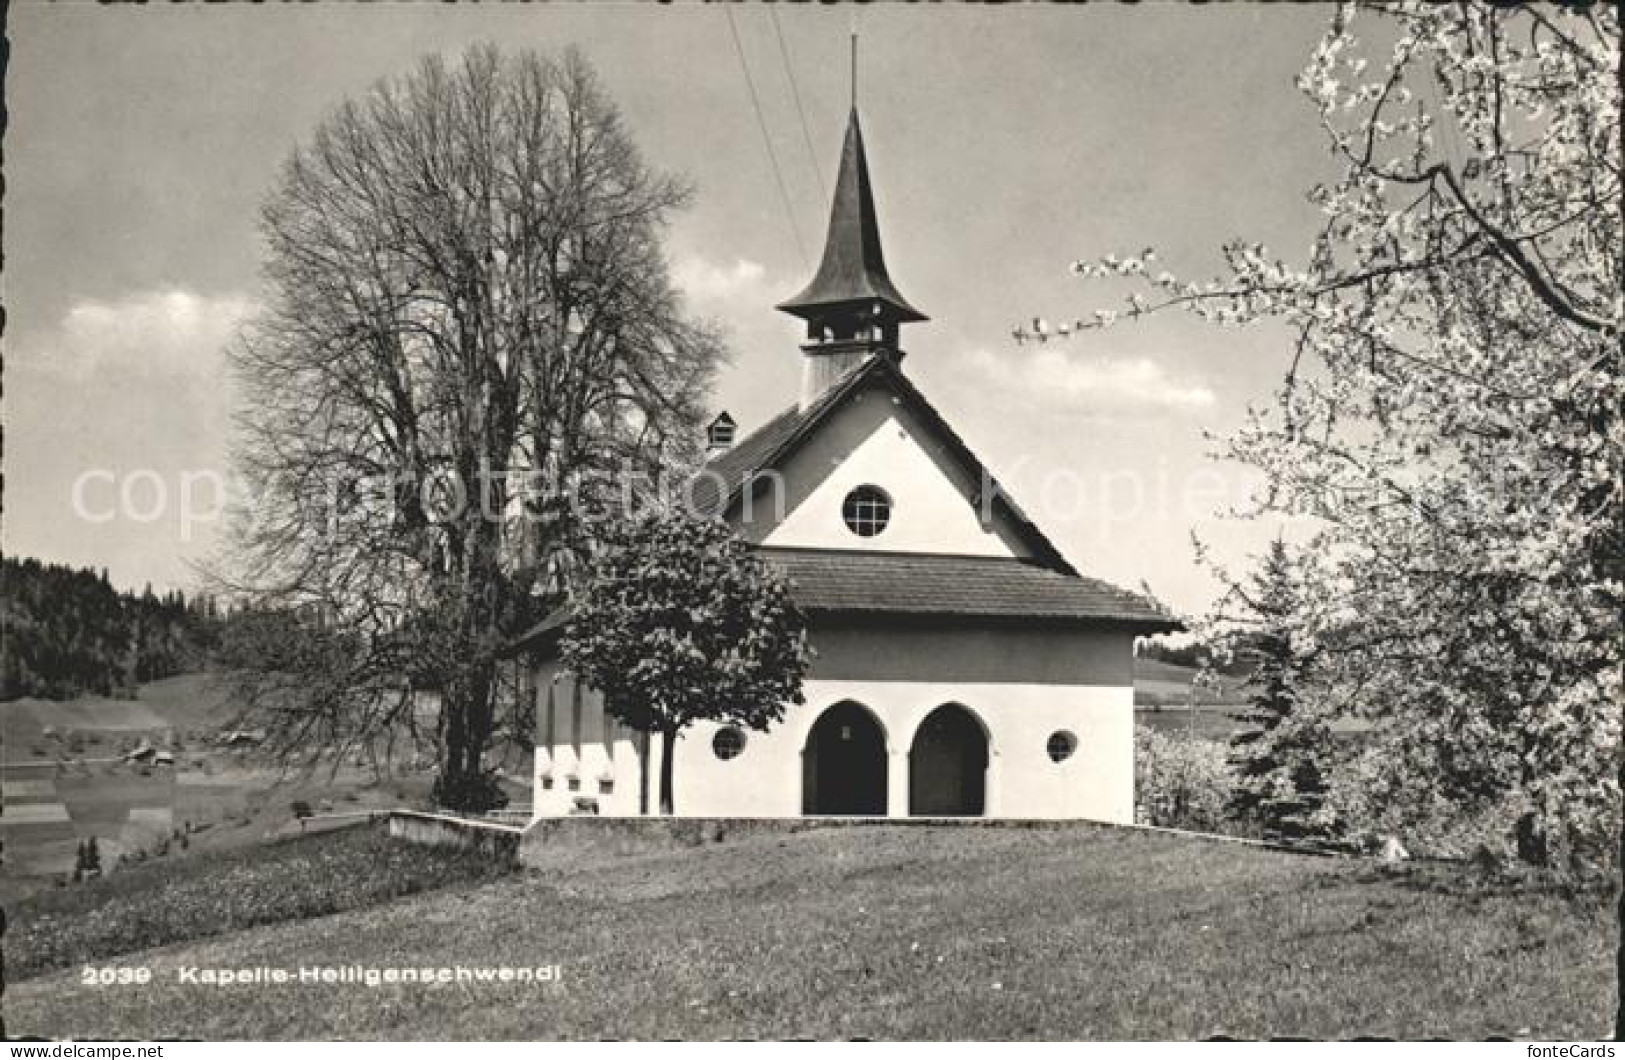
471	339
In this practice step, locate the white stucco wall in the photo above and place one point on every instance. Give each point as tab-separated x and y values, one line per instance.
929	513
1022	681
876	439
598	763
1096	783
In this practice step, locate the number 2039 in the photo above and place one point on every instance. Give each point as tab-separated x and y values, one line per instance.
114	976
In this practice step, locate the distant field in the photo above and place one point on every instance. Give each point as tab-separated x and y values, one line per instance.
64	781
190	703
934	932
1162	701
1218	722
1158	683
1212	723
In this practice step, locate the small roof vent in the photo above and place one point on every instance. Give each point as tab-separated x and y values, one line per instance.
719	437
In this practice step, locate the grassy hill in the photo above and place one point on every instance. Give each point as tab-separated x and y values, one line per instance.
190	707
1163	699
903	932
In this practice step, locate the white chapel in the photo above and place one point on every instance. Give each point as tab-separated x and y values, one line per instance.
962	666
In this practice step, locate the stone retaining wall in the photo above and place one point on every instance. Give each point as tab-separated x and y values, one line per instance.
549	838
433	829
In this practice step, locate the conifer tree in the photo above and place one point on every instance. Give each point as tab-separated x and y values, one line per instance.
1280	753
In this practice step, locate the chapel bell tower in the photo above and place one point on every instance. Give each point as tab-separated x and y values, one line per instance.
852	309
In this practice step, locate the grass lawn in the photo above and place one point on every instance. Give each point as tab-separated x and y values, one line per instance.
904	932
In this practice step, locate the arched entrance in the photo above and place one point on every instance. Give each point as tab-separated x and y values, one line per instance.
947	766
843	768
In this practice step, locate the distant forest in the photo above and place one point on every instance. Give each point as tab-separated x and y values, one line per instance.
1195	655
67	632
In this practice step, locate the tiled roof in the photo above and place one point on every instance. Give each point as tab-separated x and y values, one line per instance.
906	583
854	582
726	472
899	583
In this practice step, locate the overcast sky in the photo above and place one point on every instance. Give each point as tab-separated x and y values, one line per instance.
1003	143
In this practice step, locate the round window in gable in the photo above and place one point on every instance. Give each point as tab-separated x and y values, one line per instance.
1061	745
728	743
866	510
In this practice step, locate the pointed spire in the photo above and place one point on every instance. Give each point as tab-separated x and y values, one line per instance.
853	269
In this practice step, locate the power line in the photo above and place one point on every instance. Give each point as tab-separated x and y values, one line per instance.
856	11
795	94
767	141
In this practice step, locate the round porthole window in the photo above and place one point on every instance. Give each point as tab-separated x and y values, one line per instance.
1061	745
866	510
728	743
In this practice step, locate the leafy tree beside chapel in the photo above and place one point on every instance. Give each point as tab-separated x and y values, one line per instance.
679	621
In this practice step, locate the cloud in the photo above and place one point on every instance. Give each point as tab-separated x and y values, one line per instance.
1079	381
171	332
706	281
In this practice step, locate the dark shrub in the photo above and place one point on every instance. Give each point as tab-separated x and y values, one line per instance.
470	794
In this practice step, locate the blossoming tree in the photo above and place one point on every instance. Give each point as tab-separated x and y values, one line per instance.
1450	422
